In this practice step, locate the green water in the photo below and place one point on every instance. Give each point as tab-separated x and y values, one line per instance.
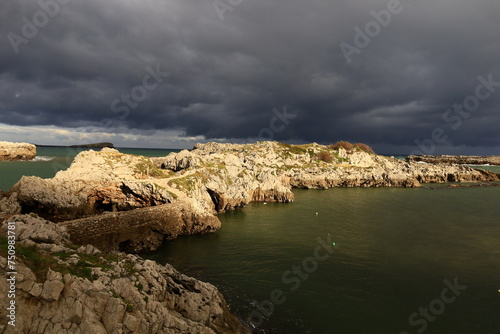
394	249
50	160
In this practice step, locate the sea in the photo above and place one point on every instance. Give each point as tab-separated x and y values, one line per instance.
344	260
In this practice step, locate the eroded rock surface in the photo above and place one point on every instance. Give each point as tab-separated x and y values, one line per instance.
16	151
81	290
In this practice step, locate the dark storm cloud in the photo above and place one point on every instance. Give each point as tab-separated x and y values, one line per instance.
225	77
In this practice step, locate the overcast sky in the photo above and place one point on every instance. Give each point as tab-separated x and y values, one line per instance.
170	73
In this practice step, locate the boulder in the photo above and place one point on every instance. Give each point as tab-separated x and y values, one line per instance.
16	151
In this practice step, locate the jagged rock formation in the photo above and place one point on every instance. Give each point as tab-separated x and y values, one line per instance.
16	151
96	182
210	179
456	159
64	289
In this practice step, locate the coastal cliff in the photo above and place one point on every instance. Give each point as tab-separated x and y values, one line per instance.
456	159
183	191
16	151
61	288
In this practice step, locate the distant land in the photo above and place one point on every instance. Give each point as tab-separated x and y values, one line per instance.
96	145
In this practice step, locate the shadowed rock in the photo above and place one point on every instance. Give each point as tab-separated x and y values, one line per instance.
456	159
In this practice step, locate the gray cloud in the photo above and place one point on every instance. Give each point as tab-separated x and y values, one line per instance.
225	77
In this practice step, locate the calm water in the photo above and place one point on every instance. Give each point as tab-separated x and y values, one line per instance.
393	250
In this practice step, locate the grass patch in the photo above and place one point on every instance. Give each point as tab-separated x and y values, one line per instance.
186	182
294	149
146	168
174	195
128	269
39	261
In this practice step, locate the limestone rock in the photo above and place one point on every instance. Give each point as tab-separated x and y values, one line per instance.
131	295
17	151
9	205
456	159
33	229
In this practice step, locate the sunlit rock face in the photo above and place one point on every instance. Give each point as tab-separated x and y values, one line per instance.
16	151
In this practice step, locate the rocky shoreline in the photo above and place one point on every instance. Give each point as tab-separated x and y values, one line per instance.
456	159
16	151
61	288
123	203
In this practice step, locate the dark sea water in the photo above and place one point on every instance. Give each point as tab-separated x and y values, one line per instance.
350	261
395	252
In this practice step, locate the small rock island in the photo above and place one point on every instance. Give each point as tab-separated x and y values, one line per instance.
95	145
16	151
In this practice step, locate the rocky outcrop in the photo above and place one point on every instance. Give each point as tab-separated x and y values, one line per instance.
456	159
63	289
300	166
140	230
96	182
16	151
9	205
209	179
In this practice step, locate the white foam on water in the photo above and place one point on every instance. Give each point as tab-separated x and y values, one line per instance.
42	158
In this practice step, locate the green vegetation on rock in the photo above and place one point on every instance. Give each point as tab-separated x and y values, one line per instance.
147	168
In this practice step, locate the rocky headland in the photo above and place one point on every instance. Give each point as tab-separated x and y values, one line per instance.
456	159
16	151
107	197
121	203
